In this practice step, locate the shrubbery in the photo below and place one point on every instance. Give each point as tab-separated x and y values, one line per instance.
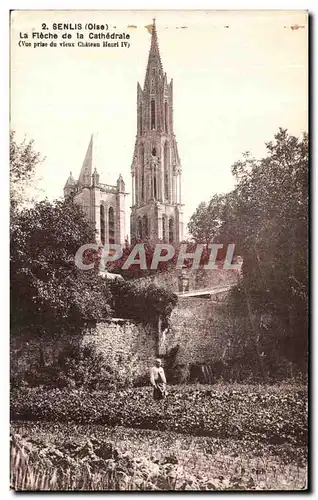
142	303
269	414
81	367
47	290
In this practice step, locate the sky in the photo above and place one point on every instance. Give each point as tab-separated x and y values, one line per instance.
237	75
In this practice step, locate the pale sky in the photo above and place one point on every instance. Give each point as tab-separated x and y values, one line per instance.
237	76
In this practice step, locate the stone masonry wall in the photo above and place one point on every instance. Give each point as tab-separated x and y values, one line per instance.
200	328
121	341
125	342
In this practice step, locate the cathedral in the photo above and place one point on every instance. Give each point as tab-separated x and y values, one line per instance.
156	211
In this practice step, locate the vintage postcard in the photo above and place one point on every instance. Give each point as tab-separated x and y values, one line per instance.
159	250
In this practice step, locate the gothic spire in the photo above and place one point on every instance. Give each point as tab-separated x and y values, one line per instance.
156	211
154	47
154	60
87	168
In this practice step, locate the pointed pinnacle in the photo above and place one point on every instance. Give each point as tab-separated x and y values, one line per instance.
154	48
86	170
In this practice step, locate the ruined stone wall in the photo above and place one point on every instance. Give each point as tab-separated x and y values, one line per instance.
126	343
123	342
199	327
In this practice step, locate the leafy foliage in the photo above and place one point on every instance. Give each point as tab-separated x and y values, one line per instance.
142	302
23	163
77	366
48	291
134	271
274	415
206	221
89	457
266	216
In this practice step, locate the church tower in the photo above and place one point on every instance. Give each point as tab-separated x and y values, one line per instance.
156	211
103	204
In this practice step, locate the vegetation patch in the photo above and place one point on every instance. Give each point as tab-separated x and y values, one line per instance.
96	457
271	414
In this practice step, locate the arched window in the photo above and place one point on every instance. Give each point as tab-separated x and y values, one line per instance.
139	229
140	119
102	224
142	166
145	226
165	168
111	225
164	229
171	230
154	152
166	116
153	114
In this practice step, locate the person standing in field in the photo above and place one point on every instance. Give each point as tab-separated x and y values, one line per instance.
158	380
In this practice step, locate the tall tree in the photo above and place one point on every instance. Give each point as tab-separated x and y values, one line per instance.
205	223
266	216
269	222
24	161
48	291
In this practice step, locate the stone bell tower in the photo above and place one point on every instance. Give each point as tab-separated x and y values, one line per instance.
103	204
156	211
